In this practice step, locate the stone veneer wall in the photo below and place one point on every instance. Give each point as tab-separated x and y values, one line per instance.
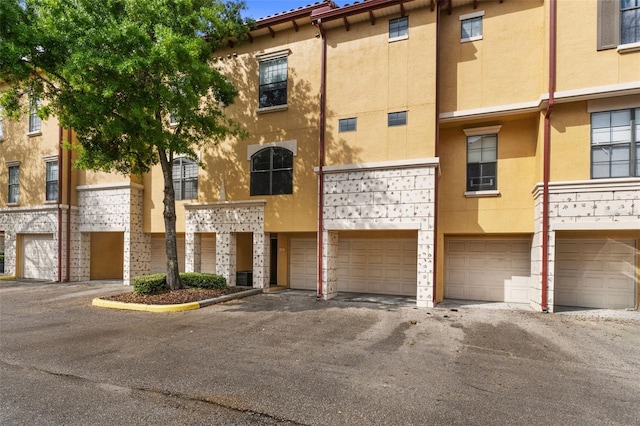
225	219
28	220
597	205
113	208
388	195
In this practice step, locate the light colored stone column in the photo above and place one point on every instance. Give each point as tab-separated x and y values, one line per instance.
424	297
226	256
329	264
193	252
10	253
261	260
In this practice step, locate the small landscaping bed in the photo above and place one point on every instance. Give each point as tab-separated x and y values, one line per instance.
185	295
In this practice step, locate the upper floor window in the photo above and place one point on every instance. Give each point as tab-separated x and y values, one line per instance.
35	124
272	171
397	118
1	124
615	143
347	125
629	21
619	25
14	184
482	154
471	26
399	28
51	180
185	179
273	83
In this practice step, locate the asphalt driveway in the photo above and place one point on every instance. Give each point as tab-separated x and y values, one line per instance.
286	359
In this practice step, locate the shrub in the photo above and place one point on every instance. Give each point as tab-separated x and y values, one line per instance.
150	284
200	280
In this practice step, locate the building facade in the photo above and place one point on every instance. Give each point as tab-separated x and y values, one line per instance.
459	149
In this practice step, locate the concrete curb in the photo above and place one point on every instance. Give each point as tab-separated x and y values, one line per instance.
173	308
7	277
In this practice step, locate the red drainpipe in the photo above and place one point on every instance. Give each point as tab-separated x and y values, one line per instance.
547	155
68	251
323	90
59	201
437	154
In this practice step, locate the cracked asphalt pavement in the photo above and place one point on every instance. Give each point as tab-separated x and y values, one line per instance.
285	358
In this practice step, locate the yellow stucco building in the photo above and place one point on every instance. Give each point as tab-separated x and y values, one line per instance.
459	149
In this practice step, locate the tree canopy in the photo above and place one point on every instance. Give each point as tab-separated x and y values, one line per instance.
117	72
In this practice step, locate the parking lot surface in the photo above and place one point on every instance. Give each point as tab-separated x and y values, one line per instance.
285	358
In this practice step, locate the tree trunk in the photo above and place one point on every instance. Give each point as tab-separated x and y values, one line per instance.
169	213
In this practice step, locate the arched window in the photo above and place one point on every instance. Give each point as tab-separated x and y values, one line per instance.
272	171
185	179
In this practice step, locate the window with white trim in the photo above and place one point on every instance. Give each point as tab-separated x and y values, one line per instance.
185	179
51	180
615	143
619	25
399	28
471	26
347	125
482	162
14	184
273	83
272	171
35	123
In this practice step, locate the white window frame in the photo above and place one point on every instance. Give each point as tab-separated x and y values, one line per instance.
468	17
401	36
263	59
481	131
35	122
47	162
16	201
182	178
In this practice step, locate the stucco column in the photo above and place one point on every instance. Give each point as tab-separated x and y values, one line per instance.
329	264
226	256
424	296
261	260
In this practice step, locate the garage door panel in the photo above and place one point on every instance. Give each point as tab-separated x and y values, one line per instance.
595	273
484	270
38	256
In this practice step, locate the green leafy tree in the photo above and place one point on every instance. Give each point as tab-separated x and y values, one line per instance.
116	71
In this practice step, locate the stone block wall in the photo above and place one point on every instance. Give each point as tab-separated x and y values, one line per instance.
389	195
597	205
226	219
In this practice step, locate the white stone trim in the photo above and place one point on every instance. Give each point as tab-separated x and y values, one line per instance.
267	56
218	204
32	208
291	145
486	130
12	163
595	92
480	194
621	184
50	158
386	165
103	228
629	47
471	15
108	186
486	112
399	38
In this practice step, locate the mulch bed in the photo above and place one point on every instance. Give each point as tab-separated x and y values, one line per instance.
185	295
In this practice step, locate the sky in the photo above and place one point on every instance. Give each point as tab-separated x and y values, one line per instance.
261	8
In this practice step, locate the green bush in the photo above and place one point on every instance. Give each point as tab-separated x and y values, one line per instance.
200	280
150	284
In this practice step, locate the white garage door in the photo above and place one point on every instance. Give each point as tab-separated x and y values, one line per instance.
38	256
595	273
487	269
380	266
159	254
303	272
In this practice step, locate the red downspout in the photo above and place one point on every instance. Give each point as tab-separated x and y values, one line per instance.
437	155
547	155
68	251
323	89
59	201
